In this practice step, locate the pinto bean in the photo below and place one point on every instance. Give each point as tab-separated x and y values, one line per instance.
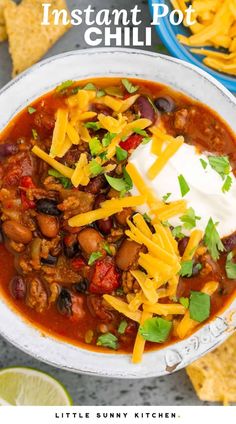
17	232
121	217
90	240
127	254
48	224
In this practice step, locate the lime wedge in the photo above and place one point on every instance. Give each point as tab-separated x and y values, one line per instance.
27	386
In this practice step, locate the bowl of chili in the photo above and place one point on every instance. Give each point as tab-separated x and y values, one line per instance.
96	261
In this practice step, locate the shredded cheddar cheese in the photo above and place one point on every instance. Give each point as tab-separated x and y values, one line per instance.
162	160
64	170
59	133
195	238
122	307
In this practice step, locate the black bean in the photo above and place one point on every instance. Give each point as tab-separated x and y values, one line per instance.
48	207
50	260
82	286
64	303
165	104
145	108
70	246
18	287
8	149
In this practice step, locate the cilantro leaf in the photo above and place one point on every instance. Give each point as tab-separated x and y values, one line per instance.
155	330
184	187
90	87
220	164
129	86
177	232
107	248
189	219
146	140
95	146
108	340
93	125
64	85
114	91
204	163
199	306
94	257
121	154
65	182
212	240
140	132
146	217
230	267
186	269
34	134
101	93
31	110
95	167
122	327
227	184
184	301
107	139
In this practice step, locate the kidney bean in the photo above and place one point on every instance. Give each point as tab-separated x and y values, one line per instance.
64	303
8	149
49	225
90	240
105	225
17	232
98	200
50	260
229	242
1	237
18	287
121	217
165	104
145	108
96	184
127	254
82	286
70	245
48	207
182	244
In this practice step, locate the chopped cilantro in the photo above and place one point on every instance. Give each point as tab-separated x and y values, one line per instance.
204	163
95	167
184	301
34	134
64	85
107	139
155	330
184	187
122	327
121	154
146	140
31	110
199	306
95	146
220	164
108	340
101	93
186	269
129	86
138	131
107	248
65	182
227	184
147	218
212	240
90	87
93	125
166	197
230	267
120	184
94	257
114	91
177	232
189	219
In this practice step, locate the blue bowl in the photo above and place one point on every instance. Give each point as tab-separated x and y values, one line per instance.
167	34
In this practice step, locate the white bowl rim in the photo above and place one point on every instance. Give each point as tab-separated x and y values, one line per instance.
63	355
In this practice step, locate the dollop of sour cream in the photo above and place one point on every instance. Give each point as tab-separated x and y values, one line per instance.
205	195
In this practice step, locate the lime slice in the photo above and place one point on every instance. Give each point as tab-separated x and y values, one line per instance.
27	386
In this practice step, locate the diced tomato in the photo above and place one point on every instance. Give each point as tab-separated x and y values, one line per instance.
78	263
105	278
132	142
27	182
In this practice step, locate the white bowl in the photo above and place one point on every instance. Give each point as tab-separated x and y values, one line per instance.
121	63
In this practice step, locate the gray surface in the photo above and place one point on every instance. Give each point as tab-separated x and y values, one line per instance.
172	390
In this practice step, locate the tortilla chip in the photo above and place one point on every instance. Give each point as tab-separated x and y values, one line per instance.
214	376
28	39
3	32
